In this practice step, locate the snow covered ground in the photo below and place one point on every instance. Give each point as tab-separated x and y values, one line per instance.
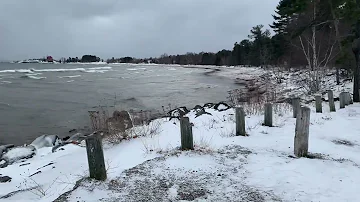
223	167
292	84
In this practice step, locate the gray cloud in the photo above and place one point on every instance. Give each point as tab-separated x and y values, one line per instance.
139	28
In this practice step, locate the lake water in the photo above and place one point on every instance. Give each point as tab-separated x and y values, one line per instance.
38	99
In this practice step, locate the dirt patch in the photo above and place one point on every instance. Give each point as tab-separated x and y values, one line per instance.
221	178
343	142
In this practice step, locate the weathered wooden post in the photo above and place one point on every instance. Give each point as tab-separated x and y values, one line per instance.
187	142
240	121
268	117
296	106
331	101
95	157
347	98
318	104
351	100
301	140
342	98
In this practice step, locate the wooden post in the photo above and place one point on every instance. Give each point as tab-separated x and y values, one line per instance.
331	101
318	104
301	140
342	98
347	98
187	142
296	106
351	100
95	157
268	117
240	121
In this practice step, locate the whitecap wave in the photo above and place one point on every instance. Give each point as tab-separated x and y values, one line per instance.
74	76
135	69
96	71
70	81
33	74
31	71
5	82
61	70
29	76
100	68
16	71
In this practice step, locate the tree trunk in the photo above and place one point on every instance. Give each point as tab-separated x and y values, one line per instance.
356	51
356	78
313	29
336	25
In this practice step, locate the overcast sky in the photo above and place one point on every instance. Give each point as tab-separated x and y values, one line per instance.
138	28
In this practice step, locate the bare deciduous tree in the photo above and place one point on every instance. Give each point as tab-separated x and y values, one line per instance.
311	44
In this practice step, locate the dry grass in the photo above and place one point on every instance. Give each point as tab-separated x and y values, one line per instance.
227	133
98	119
203	143
146	130
34	187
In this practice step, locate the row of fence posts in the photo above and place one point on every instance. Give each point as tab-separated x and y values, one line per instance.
301	141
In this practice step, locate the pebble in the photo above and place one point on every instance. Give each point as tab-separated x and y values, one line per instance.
4	179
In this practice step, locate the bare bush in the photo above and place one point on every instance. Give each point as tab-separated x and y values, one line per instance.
227	132
204	142
280	109
278	74
312	80
98	119
34	187
147	130
240	97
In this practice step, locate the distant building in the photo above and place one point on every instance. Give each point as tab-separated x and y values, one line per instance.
49	59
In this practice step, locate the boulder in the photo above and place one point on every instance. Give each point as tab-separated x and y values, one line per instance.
221	106
120	121
4	148
178	112
208	105
46	141
4	179
3	163
198	108
18	153
78	137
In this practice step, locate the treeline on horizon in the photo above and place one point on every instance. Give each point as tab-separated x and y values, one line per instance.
308	33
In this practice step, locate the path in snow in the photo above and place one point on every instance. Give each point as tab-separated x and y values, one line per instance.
188	176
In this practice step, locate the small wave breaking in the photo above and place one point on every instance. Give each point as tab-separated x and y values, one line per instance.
30	76
31	71
135	69
73	76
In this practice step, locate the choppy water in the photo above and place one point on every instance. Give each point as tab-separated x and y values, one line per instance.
40	99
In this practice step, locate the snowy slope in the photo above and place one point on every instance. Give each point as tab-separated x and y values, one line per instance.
222	167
